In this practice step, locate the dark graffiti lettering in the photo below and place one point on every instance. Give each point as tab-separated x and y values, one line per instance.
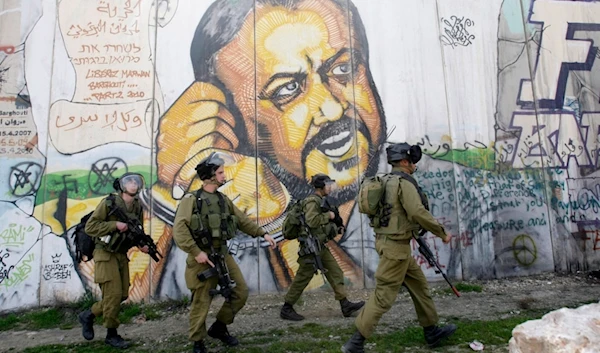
106	60
57	271
456	32
103	27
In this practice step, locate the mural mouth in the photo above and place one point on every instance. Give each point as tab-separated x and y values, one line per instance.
338	145
335	139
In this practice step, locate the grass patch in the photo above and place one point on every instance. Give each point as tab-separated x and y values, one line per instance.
128	312
8	322
464	288
65	317
44	319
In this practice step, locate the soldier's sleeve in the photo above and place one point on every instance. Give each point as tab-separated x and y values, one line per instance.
97	225
247	225
416	212
181	231
313	215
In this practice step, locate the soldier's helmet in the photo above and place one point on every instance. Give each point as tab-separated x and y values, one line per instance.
130	183
320	180
403	150
207	167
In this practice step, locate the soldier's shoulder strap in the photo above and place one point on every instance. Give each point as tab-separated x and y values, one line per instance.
110	202
199	201
222	202
412	180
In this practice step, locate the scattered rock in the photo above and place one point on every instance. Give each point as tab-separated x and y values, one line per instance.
560	331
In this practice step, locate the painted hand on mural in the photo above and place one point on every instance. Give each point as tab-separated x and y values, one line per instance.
196	125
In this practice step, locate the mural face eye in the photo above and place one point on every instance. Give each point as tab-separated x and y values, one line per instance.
286	92
342	69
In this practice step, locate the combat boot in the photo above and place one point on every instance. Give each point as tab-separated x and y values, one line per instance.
219	331
435	334
349	308
356	344
199	347
288	313
86	319
113	339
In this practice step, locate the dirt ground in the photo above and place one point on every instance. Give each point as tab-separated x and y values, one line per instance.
499	299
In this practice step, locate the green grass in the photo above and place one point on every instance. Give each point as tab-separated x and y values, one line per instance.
8	322
65	317
465	288
44	319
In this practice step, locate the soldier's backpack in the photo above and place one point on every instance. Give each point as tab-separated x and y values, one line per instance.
292	223
84	244
371	195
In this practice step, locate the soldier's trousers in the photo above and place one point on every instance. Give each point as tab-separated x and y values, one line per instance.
306	271
111	272
201	298
396	268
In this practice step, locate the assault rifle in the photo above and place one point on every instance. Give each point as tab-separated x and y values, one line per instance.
225	282
428	255
313	247
135	233
327	207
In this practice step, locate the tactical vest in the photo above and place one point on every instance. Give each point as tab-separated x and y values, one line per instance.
120	242
397	213
212	220
323	232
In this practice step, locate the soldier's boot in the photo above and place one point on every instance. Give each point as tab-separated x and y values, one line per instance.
86	319
219	331
199	347
113	339
288	313
349	308
356	344
435	334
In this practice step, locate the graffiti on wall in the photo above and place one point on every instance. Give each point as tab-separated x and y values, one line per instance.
550	120
109	48
286	106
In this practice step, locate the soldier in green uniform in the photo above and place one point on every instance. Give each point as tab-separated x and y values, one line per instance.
216	221
321	223
396	265
111	265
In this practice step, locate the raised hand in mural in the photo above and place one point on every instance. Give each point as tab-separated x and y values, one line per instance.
196	125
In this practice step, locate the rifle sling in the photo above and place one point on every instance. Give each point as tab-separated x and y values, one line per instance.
412	180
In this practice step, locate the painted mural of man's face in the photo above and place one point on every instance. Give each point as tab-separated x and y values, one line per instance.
313	92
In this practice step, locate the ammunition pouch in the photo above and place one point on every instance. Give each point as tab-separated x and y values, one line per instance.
214	224
120	243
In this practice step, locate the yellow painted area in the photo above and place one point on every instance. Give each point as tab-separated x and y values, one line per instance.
75	210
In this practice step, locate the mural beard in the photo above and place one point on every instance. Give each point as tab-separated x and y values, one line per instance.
298	187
